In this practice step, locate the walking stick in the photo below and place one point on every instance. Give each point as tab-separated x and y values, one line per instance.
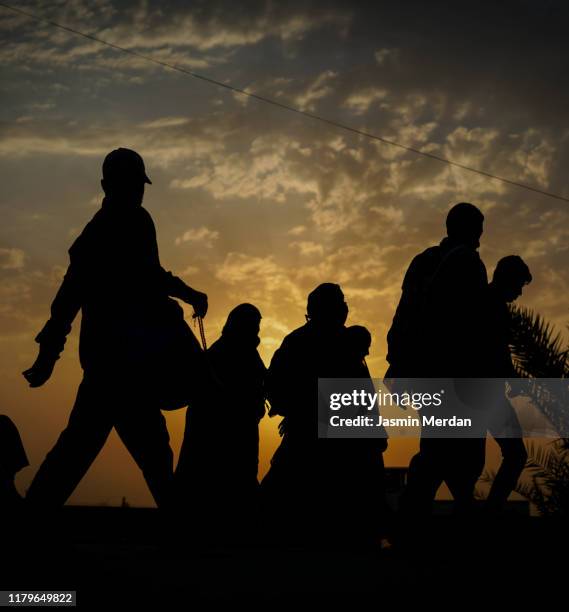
204	346
202	332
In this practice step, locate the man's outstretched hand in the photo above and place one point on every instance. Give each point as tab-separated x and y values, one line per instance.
199	302
40	372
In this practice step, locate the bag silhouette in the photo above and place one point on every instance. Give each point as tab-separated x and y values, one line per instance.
167	357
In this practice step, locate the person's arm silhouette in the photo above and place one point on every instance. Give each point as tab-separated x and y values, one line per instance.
170	284
41	371
176	287
52	337
114	258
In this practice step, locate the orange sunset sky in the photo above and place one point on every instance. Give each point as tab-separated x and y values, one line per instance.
255	204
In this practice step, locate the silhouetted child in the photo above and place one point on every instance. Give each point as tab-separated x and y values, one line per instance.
12	459
510	276
358	343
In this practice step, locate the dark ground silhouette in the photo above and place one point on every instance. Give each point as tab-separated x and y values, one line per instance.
123	556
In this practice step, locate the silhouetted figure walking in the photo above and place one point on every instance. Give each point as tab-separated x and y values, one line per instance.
367	471
216	476
437	333
509	278
312	481
12	459
311	351
128	321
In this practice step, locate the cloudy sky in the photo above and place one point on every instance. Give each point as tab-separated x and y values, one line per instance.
256	204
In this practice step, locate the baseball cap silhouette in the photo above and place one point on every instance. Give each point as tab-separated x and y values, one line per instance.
124	163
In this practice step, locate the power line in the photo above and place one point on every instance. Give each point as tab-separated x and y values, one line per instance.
287	107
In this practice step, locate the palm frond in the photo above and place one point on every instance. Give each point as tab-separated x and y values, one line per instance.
538	353
537	349
548	484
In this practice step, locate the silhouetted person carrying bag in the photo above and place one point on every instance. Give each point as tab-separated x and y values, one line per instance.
509	278
216	475
437	333
132	335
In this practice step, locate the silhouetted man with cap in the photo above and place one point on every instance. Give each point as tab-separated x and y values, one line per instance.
437	333
116	280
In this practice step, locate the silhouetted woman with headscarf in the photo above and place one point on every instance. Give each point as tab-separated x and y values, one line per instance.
216	477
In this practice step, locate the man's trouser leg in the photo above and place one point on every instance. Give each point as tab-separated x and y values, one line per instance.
457	461
90	423
508	434
142	428
514	458
463	466
424	478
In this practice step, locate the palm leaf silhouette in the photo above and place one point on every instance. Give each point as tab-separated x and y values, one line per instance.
538	352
